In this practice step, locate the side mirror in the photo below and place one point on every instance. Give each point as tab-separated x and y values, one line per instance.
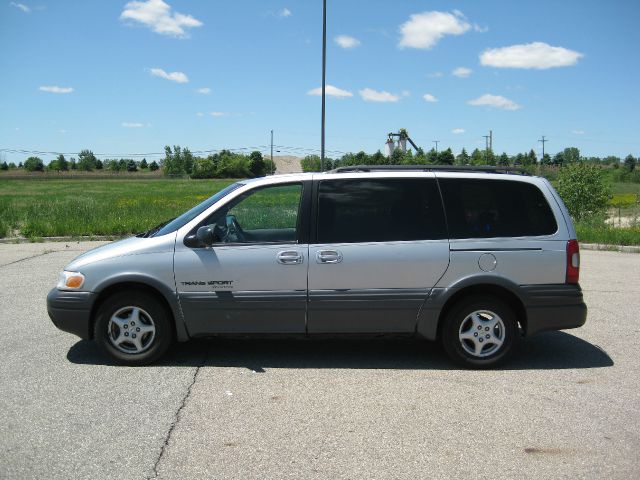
206	236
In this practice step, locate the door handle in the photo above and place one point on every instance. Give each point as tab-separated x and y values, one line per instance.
328	256
289	257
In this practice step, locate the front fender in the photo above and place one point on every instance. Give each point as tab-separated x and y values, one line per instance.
167	291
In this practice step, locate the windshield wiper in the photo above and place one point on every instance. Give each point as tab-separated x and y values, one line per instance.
152	231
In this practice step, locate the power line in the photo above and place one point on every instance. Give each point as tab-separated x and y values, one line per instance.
263	148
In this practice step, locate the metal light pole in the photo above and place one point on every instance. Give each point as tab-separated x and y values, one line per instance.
324	68
272	164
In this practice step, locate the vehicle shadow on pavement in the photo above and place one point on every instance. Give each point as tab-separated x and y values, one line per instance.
549	350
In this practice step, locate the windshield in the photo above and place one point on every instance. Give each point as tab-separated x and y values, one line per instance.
189	215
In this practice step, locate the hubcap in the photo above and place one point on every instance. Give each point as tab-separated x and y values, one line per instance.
482	333
131	330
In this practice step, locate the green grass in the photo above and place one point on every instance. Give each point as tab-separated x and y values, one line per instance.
608	235
37	208
272	208
617	187
84	206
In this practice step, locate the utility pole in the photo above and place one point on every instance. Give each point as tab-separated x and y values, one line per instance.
324	68
487	139
543	140
491	140
272	164
436	142
486	142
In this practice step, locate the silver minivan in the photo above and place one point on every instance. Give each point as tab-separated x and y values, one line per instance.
474	258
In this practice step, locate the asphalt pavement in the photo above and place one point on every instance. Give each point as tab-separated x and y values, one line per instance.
566	406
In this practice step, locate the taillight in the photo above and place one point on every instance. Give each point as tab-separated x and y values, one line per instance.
573	261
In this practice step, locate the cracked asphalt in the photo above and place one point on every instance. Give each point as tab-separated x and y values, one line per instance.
567	406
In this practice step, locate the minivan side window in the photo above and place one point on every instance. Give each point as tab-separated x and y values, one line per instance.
264	215
379	210
495	208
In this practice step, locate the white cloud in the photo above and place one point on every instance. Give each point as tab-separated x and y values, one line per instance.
461	72
55	89
204	91
157	15
331	91
458	131
435	75
345	41
284	13
370	95
429	98
480	29
219	114
536	55
200	114
494	101
577	132
424	30
177	77
132	125
21	6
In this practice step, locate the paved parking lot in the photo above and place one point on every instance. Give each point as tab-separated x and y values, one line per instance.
568	405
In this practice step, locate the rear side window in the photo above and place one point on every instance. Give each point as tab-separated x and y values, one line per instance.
495	208
379	210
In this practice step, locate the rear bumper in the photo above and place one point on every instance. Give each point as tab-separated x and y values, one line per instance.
71	311
553	307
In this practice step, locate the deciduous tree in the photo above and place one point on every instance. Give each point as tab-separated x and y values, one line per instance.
86	160
583	190
34	164
630	163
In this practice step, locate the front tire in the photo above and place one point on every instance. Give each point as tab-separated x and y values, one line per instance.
480	332
133	328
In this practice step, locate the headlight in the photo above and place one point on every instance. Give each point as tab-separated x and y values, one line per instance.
70	280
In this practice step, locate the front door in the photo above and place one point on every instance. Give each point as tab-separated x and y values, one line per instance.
380	247
254	278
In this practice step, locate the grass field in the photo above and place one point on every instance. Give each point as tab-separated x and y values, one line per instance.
608	235
617	187
83	206
47	207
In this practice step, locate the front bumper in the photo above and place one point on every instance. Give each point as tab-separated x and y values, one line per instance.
71	311
553	307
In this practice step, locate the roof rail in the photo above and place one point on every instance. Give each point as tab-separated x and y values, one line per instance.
430	168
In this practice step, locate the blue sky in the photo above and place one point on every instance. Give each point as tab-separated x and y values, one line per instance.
123	77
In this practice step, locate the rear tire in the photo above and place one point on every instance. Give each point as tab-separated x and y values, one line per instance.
480	332
133	328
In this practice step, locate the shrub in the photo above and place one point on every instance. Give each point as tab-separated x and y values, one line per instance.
204	168
583	190
34	164
310	163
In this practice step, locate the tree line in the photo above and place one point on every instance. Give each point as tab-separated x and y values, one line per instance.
177	161
223	164
570	155
180	161
86	162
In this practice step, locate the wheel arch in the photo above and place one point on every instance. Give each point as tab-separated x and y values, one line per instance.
443	300
166	297
498	291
